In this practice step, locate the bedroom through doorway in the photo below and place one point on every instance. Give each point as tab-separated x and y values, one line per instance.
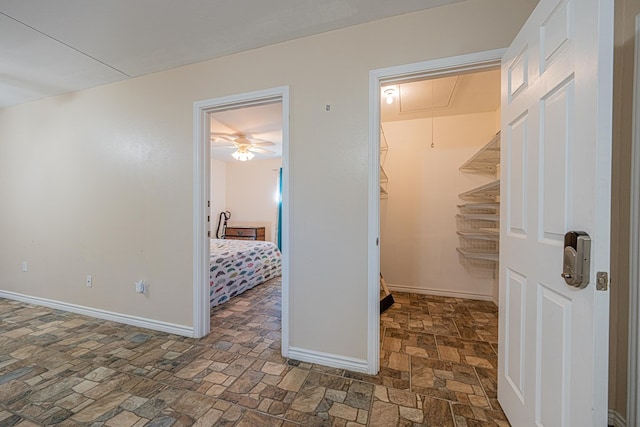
439	233
246	165
245	258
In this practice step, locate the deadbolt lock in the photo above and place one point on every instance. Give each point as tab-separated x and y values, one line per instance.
576	261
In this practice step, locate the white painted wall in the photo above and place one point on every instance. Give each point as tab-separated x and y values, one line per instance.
418	219
218	192
101	181
252	194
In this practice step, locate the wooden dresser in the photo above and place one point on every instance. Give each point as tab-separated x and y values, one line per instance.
244	233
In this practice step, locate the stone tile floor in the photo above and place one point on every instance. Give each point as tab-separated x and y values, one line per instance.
438	369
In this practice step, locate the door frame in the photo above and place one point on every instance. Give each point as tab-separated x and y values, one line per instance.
633	390
441	67
201	196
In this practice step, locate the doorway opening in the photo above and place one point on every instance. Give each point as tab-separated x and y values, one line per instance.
246	165
241	181
436	237
439	231
415	76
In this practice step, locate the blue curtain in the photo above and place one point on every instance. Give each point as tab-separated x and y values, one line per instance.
280	209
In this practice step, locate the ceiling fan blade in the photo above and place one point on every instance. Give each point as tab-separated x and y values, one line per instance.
260	150
222	137
222	144
227	134
262	143
269	137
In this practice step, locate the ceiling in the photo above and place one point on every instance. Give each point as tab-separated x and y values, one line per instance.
262	122
447	96
54	47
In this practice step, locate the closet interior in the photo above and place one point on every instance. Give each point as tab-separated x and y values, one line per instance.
439	185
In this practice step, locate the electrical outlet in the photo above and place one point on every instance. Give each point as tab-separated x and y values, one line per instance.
89	281
24	266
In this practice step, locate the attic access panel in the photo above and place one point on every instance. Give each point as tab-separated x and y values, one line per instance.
427	94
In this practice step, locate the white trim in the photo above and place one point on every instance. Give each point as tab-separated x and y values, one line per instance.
286	202
373	226
201	110
141	322
201	165
439	292
601	248
437	67
327	359
615	419
633	374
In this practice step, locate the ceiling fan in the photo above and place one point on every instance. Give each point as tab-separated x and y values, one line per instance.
244	144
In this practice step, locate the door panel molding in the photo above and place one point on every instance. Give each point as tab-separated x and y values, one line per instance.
515	353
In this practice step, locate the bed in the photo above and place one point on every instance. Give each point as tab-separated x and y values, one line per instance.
236	266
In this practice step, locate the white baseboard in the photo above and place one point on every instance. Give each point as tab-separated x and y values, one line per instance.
615	419
439	292
326	359
155	325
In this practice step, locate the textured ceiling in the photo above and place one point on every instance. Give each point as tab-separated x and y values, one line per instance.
54	47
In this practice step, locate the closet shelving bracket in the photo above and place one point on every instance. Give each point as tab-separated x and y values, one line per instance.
486	160
489	192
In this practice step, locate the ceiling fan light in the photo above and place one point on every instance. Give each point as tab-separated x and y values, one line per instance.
243	155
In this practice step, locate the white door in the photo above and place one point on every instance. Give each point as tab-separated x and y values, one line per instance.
556	164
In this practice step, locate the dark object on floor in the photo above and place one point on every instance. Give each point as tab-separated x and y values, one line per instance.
387	301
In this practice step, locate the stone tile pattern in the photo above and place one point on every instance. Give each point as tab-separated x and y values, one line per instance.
59	368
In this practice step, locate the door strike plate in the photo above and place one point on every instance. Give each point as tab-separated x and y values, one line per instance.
602	281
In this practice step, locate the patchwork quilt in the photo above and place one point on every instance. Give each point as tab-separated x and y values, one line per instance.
238	265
